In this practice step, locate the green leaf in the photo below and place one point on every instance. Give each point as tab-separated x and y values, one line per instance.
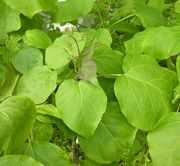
9	18
37	39
64	49
78	103
147	42
48	154
177	6
48	109
149	16
111	139
37	84
30	8
17	117
26	59
10	82
70	10
178	67
164	141
19	160
145	93
2	73
42	131
108	61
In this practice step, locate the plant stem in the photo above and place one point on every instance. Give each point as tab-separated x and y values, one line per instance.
121	20
74	150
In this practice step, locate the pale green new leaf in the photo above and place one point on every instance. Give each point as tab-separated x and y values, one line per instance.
71	9
64	49
48	109
30	7
26	59
17	117
18	160
37	39
37	84
145	93
9	19
111	139
81	105
48	154
164	141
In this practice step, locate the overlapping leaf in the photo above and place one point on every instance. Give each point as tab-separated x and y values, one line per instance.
145	93
111	139
17	117
155	42
164	141
37	84
45	152
81	105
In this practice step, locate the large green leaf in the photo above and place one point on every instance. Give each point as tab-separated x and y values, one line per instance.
70	10
111	139
17	117
108	61
37	84
64	49
26	59
164	141
9	19
48	154
148	15
37	38
145	93
18	160
81	105
30	8
148	42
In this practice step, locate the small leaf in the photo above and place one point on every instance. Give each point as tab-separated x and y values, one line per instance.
64	49
81	105
26	59
48	109
37	84
37	39
108	61
19	160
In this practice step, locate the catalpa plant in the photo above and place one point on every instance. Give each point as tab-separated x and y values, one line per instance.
105	92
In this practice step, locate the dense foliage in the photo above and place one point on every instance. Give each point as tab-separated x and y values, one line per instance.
105	92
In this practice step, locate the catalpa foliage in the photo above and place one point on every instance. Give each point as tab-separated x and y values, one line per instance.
104	93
